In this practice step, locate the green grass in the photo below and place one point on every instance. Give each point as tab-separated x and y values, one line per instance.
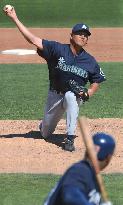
25	189
32	189
65	13
114	187
23	91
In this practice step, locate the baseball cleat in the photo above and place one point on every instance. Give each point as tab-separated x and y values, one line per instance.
69	145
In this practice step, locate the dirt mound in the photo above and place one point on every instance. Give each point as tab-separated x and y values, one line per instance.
23	150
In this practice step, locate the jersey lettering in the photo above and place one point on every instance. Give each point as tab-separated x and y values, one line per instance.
73	69
94	197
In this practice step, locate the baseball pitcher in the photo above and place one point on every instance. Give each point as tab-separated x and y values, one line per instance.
70	69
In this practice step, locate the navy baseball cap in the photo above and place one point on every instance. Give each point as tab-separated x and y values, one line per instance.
81	27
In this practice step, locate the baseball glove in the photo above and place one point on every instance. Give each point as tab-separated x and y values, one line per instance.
80	91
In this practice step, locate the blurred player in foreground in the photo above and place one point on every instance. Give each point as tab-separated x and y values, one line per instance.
78	186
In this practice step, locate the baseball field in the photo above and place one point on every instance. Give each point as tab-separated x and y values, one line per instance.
29	165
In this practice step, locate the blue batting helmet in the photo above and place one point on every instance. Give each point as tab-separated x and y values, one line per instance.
106	143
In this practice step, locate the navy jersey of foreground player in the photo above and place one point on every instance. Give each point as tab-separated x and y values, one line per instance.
79	186
63	65
80	183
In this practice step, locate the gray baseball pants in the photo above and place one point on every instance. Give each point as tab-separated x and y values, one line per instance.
56	106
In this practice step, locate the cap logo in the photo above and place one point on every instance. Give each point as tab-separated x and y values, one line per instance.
84	27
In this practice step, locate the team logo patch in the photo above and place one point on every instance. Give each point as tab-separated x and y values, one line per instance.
102	73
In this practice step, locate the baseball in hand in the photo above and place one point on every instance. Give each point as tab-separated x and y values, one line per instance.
8	7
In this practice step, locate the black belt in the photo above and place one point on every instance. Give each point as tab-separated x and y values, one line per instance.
57	91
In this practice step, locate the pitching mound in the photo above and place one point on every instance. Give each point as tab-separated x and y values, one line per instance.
23	150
